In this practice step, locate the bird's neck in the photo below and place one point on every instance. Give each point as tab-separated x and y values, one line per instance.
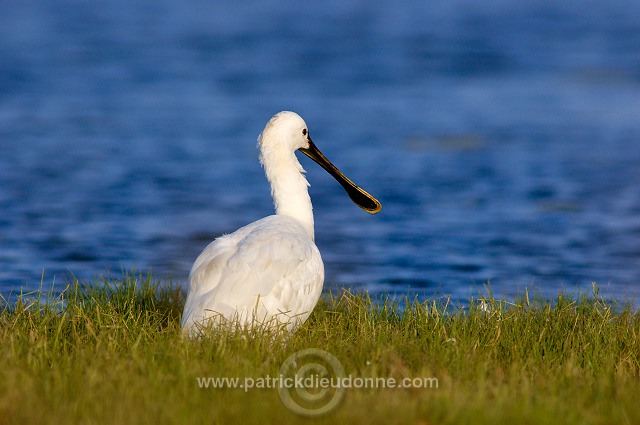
289	188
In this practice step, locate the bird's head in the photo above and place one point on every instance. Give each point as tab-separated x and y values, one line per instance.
287	132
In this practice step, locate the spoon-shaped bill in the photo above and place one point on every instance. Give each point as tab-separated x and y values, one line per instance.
357	194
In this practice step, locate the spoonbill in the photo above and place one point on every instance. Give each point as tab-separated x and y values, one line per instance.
269	273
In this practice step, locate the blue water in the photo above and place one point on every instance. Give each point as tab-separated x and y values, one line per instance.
502	138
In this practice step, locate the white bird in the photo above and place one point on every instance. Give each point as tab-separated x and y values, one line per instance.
268	273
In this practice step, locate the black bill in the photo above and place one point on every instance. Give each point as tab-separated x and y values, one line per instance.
357	194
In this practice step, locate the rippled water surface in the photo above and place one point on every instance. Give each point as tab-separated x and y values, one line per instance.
502	139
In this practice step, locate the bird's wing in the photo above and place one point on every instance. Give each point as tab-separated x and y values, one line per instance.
263	259
236	270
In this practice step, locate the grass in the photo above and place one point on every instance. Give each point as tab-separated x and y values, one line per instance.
113	353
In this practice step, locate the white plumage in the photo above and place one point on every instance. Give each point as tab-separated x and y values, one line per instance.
268	273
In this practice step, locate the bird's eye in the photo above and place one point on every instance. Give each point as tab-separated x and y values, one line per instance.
304	131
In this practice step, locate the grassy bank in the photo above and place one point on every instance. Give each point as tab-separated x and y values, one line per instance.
114	354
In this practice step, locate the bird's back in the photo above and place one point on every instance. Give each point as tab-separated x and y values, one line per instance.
267	273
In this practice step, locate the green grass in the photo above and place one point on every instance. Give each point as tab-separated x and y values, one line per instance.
113	353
